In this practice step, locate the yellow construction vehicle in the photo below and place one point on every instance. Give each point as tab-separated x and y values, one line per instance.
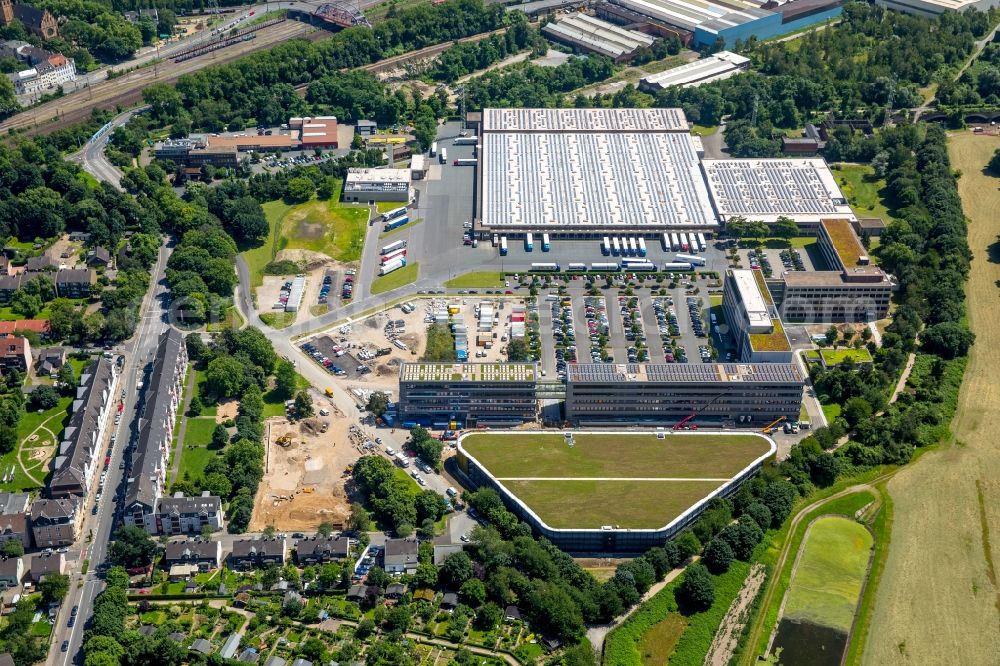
329	392
285	440
769	428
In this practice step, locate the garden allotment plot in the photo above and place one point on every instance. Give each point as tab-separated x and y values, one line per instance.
630	481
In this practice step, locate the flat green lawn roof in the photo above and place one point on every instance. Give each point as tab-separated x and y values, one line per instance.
626	504
837	356
615	455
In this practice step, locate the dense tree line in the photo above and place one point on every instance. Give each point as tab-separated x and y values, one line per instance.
260	88
468	57
238	364
978	85
395	499
531	85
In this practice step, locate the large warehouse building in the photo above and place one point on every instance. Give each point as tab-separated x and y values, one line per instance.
592	34
667	394
715	67
581	173
734	20
467	395
803	190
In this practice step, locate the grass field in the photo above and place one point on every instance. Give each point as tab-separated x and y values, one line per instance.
330	227
830	572
584	485
627	504
396	279
938	592
865	193
615	455
37	437
476	279
196	454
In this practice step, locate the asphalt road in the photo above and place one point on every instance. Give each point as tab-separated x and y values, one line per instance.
97	528
92	158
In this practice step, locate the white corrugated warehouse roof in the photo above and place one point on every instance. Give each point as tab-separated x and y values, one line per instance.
584	120
718	66
597	35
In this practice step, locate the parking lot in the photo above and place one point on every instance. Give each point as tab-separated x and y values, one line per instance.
658	324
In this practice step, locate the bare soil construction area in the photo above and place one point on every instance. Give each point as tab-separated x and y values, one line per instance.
937	602
304	475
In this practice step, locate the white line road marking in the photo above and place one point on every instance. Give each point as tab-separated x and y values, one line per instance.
604	478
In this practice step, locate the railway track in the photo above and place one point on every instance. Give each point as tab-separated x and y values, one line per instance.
126	90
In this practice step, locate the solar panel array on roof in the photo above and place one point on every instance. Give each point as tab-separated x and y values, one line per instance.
584	120
773	187
759	373
575	180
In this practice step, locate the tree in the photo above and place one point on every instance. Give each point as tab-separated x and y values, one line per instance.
359	520
518	350
717	556
195	406
456	569
8	438
856	410
313	649
44	398
245	220
785	227
133	547
687	545
779	497
488	616
697	590
378	403
285	380
303	405
13	548
224	377
760	514
66	377
947	339
742	537
299	189
426	447
994	164
220	436
116	576
26	304
398	618
325	529
473	592
54	587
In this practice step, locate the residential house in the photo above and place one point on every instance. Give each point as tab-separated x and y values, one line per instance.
54	522
356	593
257	553
275	661
449	601
14	527
52	72
50	361
314	550
14	503
401	555
11	572
4	260
156	429
203	554
250	656
179	514
99	256
46	564
181	572
302	662
75	282
15	354
6	659
80	450
40	327
147	630
512	613
201	645
442	551
9	284
40	264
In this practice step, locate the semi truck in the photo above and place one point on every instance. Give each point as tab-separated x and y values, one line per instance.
396	223
615	247
545	243
503	246
606	247
392	247
393	265
392	256
577	267
642	247
675	242
647	266
691	258
529	242
605	267
466	140
466	161
545	268
684	242
394	213
702	245
633	248
676	266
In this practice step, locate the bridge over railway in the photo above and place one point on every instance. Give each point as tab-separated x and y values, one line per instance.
340	14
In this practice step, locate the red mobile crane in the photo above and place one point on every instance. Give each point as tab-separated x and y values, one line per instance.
680	424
